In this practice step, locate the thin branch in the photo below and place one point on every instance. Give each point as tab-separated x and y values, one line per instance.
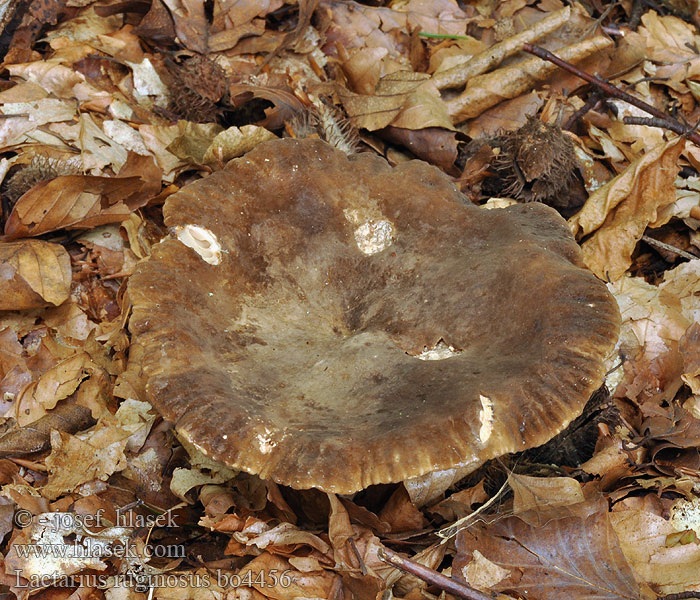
656	122
430	576
613	91
664	246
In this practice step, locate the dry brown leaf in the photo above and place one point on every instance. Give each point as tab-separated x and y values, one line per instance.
74	461
35	437
619	212
17	130
654	319
61	80
570	557
354	25
59	382
402	99
290	583
433	144
98	453
365	68
459	504
84	201
33	273
401	513
339	527
235	142
191	23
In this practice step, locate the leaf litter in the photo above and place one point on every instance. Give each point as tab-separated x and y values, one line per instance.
106	109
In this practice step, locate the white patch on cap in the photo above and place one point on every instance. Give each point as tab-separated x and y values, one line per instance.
265	441
441	351
374	236
486	418
202	241
373	232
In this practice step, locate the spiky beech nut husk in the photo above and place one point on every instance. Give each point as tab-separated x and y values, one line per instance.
41	168
205	77
534	163
199	83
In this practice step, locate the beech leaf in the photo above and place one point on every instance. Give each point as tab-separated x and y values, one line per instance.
570	557
33	273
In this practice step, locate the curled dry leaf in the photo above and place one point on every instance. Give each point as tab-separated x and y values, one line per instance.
487	90
84	201
33	273
489	58
32	438
620	211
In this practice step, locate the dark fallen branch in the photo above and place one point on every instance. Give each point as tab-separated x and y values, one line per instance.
664	120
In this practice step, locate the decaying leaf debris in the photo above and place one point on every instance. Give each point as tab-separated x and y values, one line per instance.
111	112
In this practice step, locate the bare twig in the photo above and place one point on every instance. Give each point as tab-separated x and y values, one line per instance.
613	91
452	530
678	128
451	586
654	242
358	556
590	104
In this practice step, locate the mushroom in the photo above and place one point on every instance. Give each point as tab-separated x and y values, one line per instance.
332	322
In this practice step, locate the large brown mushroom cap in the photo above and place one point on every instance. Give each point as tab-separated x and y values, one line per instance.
299	352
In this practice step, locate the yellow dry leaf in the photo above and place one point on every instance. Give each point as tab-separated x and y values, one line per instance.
539	493
642	537
402	99
620	211
59	382
235	142
483	574
98	452
74	461
38	112
64	82
654	319
157	138
97	149
69	321
33	273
